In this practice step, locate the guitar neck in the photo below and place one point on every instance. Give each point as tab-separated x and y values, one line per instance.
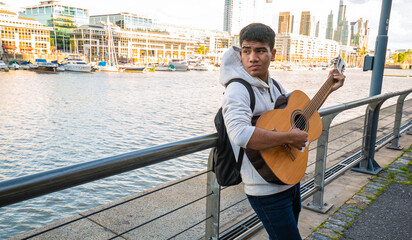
319	98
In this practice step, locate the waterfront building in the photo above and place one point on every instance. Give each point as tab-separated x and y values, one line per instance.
23	35
125	20
360	35
163	41
305	50
329	27
317	29
285	24
213	41
63	19
342	27
244	12
306	21
100	41
227	16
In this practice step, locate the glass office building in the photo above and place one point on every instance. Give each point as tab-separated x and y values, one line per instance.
63	19
125	20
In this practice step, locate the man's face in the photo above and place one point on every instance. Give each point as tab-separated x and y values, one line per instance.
256	58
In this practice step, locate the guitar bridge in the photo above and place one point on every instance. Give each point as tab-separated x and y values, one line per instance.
289	151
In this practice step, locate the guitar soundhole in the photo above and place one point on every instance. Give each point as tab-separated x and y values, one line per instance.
299	121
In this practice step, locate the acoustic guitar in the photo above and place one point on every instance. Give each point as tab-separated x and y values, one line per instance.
287	163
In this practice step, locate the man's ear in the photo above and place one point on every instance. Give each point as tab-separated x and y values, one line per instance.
273	55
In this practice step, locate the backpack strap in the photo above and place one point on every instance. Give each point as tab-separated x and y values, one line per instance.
249	89
252	107
277	85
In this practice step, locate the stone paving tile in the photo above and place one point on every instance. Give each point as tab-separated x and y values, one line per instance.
381	180
334	227
347	211
366	194
375	185
318	236
343	217
362	199
337	223
371	190
328	232
357	203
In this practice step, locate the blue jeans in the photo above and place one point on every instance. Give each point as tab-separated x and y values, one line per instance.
279	213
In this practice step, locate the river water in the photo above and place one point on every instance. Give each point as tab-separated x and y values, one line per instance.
52	121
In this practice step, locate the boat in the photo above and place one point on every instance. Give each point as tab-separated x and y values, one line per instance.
202	67
163	67
107	66
60	67
14	65
179	66
25	65
42	66
110	64
133	68
77	65
3	66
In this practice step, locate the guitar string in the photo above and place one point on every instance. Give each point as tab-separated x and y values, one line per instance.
309	110
315	103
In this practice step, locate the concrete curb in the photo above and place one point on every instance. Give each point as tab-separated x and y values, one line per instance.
335	226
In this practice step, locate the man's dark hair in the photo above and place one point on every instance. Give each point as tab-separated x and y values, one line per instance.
258	32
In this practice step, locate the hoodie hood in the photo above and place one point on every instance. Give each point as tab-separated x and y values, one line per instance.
231	67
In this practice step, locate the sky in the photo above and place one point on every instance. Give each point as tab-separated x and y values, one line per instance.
208	14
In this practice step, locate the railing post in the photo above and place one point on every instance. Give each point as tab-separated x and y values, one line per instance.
212	202
317	203
409	130
397	125
368	164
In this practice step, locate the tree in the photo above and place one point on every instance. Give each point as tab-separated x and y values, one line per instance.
202	50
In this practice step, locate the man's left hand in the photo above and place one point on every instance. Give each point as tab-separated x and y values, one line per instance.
339	77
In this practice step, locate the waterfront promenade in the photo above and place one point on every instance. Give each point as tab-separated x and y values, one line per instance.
365	207
351	192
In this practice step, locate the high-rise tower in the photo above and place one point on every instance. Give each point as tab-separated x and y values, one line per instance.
239	13
285	23
305	23
227	17
342	27
329	27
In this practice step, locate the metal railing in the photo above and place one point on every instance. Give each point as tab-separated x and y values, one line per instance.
23	188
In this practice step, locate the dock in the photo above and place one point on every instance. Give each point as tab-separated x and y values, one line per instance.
165	211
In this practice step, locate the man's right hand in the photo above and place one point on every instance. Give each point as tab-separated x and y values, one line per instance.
298	138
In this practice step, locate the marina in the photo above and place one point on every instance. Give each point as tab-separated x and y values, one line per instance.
107	119
56	120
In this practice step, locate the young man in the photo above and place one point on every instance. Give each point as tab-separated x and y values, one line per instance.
277	206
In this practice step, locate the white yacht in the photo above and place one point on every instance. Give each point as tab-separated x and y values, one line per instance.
179	66
202	67
3	66
14	65
77	65
163	67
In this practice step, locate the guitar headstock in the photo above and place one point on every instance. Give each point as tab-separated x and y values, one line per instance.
339	64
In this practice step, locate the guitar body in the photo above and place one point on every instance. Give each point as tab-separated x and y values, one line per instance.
287	163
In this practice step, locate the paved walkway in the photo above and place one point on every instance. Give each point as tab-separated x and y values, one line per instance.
364	206
380	210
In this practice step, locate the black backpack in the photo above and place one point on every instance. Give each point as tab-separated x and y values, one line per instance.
225	166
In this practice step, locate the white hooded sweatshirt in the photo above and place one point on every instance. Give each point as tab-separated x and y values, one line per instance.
237	115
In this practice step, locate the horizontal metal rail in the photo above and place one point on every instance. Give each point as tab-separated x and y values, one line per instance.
27	187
